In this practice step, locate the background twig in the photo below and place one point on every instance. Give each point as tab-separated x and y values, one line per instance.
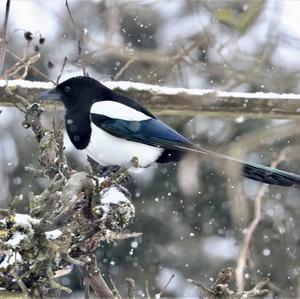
4	38
245	247
79	44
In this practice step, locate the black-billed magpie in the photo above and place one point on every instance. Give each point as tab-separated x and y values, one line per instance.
112	129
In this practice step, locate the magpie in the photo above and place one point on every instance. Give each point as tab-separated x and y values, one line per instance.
113	128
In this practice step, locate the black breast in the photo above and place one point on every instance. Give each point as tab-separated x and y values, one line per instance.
78	127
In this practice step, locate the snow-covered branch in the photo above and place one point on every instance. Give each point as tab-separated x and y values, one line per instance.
181	101
68	220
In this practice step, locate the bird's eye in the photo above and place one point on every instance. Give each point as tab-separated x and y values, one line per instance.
67	89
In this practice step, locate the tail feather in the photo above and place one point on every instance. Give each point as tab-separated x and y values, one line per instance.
268	175
264	174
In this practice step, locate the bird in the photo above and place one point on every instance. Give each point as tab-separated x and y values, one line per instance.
112	128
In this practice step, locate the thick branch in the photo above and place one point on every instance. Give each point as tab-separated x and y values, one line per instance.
180	101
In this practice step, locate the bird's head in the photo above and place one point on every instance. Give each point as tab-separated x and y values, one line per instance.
77	92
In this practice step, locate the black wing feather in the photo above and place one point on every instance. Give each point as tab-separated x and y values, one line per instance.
151	131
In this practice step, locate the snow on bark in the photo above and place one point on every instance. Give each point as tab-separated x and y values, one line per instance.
182	101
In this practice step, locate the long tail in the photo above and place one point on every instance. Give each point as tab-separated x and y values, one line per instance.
268	175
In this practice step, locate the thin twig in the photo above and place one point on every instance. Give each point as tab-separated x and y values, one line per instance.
256	291
245	247
73	261
119	176
4	38
114	288
53	283
21	103
165	287
15	71
130	288
201	286
127	236
147	293
62	69
78	40
30	66
124	68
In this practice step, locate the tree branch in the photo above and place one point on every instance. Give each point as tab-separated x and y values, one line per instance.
68	219
184	102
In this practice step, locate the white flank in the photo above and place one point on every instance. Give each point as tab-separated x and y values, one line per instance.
110	150
117	110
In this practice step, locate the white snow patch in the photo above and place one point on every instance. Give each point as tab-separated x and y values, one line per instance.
111	196
53	235
125	85
16	239
10	259
25	220
27	84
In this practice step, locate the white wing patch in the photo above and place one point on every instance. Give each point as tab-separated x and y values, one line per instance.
117	110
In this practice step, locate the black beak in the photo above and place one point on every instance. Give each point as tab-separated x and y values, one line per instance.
50	95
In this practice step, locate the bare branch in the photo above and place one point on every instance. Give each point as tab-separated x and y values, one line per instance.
93	276
75	29
124	68
163	290
245	247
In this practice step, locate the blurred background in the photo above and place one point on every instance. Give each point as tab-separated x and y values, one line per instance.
192	217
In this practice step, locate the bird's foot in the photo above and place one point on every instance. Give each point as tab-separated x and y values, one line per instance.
107	171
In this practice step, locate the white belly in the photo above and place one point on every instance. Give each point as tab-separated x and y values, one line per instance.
109	150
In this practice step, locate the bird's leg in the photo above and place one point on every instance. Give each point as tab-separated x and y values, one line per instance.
121	174
134	162
107	171
100	170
